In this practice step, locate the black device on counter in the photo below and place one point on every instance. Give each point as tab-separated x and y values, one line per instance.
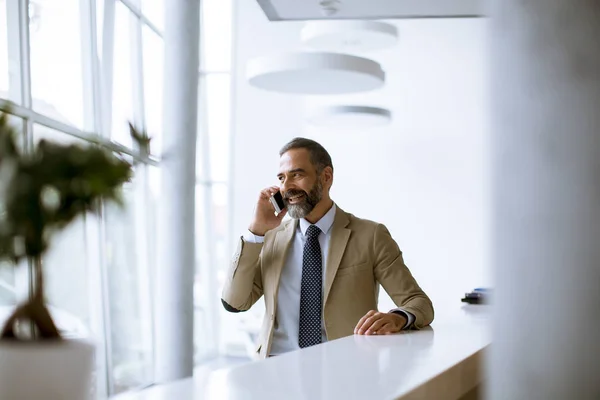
477	296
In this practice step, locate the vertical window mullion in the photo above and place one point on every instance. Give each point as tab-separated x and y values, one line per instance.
20	9
137	73
93	121
89	63
106	73
15	49
105	97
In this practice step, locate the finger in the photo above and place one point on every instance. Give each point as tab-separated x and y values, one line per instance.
369	322
265	194
270	191
374	329
387	329
282	214
362	320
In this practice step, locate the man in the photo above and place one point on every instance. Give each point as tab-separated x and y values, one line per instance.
320	271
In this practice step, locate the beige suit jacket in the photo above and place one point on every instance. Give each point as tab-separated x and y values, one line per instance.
362	255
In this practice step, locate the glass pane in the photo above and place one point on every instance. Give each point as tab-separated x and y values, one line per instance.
204	332
41	132
154	10
153	48
152	204
14	279
14	286
67	258
11	290
219	210
216	35
10	85
202	159
19	125
122	96
154	183
99	25
212	262
153	199
4	63
127	256
56	61
202	244
8	289
218	108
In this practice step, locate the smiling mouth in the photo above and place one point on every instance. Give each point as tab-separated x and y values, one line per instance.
295	199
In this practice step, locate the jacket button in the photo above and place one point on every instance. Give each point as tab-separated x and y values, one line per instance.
272	317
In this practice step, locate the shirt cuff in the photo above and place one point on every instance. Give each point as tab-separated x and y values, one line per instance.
410	318
250	237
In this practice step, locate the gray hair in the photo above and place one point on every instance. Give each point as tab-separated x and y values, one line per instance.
319	157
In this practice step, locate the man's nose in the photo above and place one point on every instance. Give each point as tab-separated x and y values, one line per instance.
285	186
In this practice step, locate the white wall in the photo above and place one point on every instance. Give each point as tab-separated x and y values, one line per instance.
428	169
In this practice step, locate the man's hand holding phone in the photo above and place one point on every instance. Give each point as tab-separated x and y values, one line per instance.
264	213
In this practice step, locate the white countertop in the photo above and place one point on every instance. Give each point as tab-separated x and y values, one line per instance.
355	367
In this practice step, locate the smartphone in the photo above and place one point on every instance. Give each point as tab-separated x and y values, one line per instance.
277	201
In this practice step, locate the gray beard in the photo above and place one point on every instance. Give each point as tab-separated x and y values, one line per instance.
298	211
301	210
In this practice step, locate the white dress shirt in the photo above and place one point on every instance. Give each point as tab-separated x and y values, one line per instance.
285	334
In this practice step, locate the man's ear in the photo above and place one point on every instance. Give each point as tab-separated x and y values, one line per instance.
327	175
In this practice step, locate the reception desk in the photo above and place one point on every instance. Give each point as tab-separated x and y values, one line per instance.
440	362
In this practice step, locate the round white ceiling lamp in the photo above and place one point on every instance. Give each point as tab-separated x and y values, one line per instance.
349	36
315	73
350	116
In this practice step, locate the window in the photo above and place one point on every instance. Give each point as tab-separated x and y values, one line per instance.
154	10
205	342
56	60
235	336
41	132
13	279
217	35
123	73
130	306
4	61
99	271
218	106
153	53
8	291
99	25
220	220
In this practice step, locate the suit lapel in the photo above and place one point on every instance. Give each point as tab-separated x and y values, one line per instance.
281	247
337	245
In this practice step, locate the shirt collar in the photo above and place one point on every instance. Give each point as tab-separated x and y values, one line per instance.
324	224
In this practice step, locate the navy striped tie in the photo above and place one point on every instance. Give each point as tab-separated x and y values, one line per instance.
310	292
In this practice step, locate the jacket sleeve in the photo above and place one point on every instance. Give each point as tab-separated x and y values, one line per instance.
243	285
396	279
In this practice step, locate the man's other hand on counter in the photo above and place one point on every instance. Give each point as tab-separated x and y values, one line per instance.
378	323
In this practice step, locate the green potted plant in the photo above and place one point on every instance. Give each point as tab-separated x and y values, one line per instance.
42	192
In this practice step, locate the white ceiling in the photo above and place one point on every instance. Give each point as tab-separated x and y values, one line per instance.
286	10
